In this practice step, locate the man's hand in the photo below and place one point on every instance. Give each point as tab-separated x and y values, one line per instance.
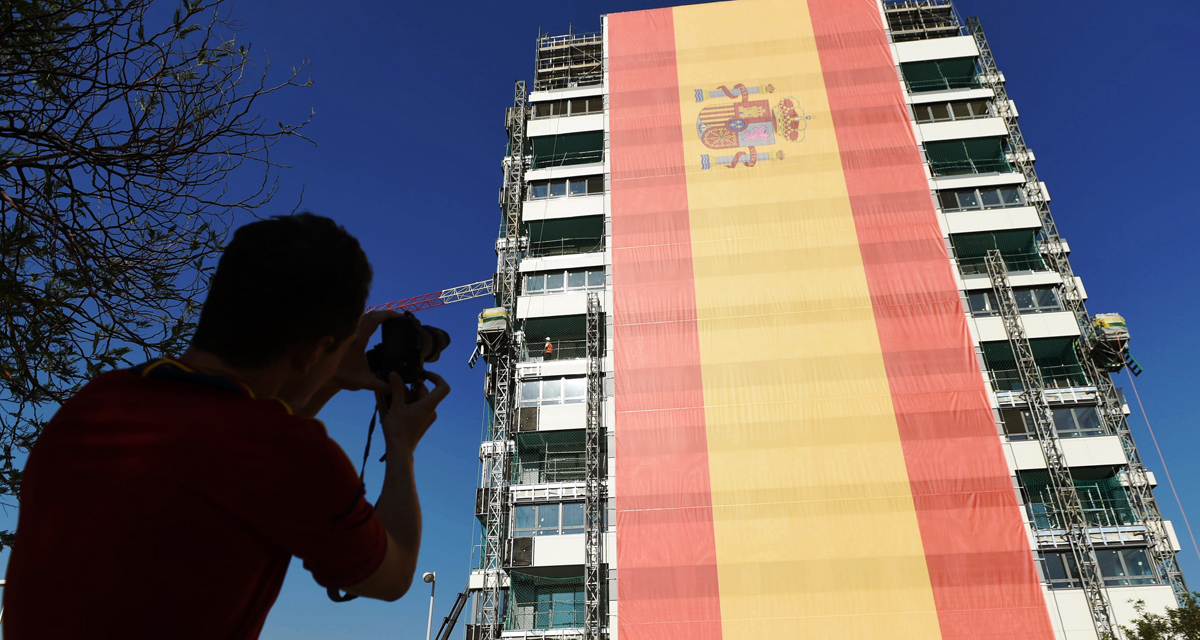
412	412
353	373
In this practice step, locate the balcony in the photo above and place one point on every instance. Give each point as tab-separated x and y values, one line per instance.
941	75
910	20
565	236
1018	248
547	457
566	149
553	349
539	603
964	157
1055	358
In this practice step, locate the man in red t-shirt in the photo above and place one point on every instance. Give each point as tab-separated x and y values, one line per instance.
166	501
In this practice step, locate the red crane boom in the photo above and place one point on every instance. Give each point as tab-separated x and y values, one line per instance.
438	298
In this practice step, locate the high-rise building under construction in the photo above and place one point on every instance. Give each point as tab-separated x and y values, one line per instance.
788	345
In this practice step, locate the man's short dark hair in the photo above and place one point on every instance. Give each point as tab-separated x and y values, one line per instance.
282	282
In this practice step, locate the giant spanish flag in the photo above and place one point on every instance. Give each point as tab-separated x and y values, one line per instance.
804	445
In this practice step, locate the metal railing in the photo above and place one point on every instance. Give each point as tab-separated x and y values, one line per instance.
945	83
1097	511
922	19
567	158
553	470
564	247
1012	261
1055	376
969	166
546	614
535	350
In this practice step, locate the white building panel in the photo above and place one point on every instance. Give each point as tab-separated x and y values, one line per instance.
573	367
551	551
567	207
557	417
936	49
1034	279
555	263
960	129
1097	451
952	94
566	124
569	171
977	180
1056	324
1073	621
993	220
563	94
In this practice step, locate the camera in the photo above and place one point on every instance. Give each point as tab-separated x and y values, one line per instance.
406	346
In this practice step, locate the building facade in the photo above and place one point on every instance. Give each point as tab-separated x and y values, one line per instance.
788	344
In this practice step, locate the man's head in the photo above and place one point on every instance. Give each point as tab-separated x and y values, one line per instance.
283	283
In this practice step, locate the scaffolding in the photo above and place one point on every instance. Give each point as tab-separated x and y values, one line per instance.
593	514
1052	247
501	353
921	19
1061	486
569	61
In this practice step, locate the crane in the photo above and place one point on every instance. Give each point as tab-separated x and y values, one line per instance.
439	298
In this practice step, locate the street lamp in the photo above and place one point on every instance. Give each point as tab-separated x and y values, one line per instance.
431	578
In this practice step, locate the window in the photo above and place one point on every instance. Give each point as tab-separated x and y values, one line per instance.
560	281
982	198
581	186
982	302
1118	568
1018	247
957	110
553	391
570	107
547	519
1070	422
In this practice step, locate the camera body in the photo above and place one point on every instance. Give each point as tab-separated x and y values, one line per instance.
405	348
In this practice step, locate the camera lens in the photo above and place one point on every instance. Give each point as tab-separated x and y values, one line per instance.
436	340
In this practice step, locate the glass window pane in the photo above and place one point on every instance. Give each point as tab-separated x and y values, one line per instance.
595	184
558	188
576	279
1054	567
595	278
1088	419
990	198
939	112
1013	423
530	392
595	105
1011	195
962	110
524	518
948	199
539	190
1046	298
967	200
578	106
547	515
573	516
1024	298
1136	563
977	301
1063	420
1109	562
574	389
979	108
921	113
578	186
551	391
554	281
535	283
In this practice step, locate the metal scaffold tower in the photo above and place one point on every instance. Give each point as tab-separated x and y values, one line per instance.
496	453
1109	404
1066	498
593	513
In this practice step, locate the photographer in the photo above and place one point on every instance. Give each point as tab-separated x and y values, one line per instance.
166	501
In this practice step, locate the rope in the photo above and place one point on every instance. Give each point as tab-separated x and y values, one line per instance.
1164	466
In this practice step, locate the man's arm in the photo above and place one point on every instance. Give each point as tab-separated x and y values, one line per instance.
398	507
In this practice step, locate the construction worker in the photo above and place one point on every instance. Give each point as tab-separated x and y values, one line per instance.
167	500
548	350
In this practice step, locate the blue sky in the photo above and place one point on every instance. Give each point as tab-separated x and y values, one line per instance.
409	101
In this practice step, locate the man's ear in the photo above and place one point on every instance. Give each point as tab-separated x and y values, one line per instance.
304	357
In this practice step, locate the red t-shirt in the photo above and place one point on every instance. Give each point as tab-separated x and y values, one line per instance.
163	503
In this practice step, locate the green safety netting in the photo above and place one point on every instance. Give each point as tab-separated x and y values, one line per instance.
976	155
1018	248
567	149
1055	357
549	456
939	75
535	602
1103	498
563	236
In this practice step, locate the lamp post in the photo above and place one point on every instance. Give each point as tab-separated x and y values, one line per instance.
431	578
